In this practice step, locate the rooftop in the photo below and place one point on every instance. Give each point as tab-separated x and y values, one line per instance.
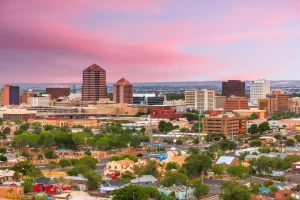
144	178
94	67
123	81
225	159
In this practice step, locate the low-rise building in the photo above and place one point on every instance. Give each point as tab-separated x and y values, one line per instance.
180	192
165	114
261	114
89	123
226	124
8	114
119	166
235	103
8	175
145	180
11	192
292	150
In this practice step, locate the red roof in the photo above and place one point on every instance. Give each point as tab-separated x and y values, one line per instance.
94	67
123	80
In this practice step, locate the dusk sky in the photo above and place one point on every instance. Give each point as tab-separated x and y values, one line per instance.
149	40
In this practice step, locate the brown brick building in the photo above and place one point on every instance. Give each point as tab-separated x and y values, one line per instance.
123	92
56	92
276	101
226	124
94	83
235	103
233	88
26	95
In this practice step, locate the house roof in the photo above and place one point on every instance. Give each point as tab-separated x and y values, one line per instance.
7	172
9	155
76	178
251	156
45	181
144	178
274	155
115	183
10	183
225	159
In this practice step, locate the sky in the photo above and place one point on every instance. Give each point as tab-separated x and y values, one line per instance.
149	40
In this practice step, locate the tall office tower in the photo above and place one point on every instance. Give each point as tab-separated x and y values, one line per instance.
204	99
233	88
94	83
189	97
259	90
123	91
11	95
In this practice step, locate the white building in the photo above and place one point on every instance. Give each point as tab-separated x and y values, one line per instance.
259	90
204	99
39	101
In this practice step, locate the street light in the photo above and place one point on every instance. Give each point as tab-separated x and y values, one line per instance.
186	189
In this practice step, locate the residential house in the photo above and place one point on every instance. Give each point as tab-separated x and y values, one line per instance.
119	166
11	192
8	175
296	167
228	160
180	192
108	187
292	150
78	182
12	158
145	180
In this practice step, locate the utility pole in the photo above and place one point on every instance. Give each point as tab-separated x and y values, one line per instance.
150	133
186	189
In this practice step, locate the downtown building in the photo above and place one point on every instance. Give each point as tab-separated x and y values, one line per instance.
235	103
10	95
94	83
277	100
233	88
58	91
259	89
123	92
201	99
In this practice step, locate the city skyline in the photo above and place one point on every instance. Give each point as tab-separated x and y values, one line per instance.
148	41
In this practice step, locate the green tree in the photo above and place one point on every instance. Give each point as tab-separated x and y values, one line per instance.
64	163
196	164
243	155
200	189
40	157
239	171
88	152
3	158
218	170
18	122
1	121
172	165
255	143
264	165
253	129
27	169
290	142
195	127
131	192
193	150
165	127
255	187
184	130
79	138
51	166
127	176
174	178
264	126
50	154
268	183
232	190
252	116
2	150
226	145
273	189
27	184
6	130
297	138
94	180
